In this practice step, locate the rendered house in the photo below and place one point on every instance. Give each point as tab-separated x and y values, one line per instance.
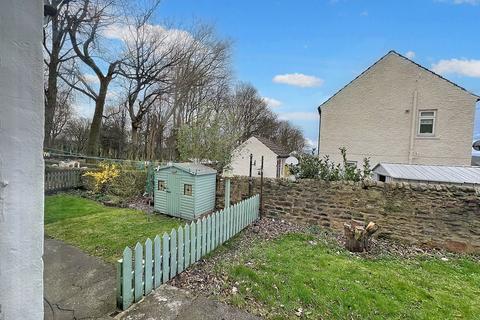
397	111
274	157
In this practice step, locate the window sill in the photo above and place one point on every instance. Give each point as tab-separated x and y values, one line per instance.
427	138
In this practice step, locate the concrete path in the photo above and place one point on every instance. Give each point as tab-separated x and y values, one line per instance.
76	285
168	303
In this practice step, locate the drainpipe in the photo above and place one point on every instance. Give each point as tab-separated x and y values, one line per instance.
413	127
319	129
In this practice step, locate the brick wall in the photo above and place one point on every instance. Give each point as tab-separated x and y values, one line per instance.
432	215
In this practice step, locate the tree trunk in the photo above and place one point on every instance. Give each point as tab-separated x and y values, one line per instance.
135	140
52	83
357	237
95	128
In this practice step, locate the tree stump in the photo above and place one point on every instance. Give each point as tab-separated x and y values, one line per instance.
357	236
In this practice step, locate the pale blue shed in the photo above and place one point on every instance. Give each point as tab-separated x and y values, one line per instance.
185	190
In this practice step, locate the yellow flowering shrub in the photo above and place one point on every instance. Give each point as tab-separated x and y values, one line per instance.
103	177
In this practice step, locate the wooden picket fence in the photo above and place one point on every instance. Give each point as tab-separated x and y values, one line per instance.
63	179
148	266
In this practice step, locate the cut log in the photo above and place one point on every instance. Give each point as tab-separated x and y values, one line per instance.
357	236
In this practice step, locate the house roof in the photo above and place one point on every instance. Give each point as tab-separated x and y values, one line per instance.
401	56
196	169
277	149
445	174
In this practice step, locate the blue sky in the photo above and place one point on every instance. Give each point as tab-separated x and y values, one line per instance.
332	41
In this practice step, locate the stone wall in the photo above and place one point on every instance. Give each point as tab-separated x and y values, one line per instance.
431	215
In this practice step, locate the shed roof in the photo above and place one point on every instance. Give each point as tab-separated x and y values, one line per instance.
446	174
277	149
190	167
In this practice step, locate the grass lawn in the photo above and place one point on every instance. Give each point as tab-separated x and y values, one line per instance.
99	230
327	282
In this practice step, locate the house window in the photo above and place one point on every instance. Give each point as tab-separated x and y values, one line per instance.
161	185
426	123
187	189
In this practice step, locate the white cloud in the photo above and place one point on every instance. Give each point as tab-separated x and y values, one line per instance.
309	116
126	32
91	78
311	143
364	13
84	108
410	54
464	67
272	103
299	80
472	2
460	2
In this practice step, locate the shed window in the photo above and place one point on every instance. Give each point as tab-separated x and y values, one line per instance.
161	185
187	189
426	123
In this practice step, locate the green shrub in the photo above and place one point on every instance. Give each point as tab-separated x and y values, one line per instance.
129	183
312	167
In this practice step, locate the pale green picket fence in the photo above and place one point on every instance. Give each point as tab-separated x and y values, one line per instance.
148	266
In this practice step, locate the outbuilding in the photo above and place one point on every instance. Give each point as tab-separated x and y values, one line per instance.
185	190
415	173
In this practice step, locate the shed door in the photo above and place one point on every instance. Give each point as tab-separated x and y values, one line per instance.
173	193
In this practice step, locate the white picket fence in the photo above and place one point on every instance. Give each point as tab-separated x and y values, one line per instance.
148	266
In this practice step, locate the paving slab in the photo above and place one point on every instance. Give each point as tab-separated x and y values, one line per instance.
76	285
168	303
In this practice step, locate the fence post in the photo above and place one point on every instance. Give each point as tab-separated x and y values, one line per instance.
173	253
127	297
227	192
166	258
261	190
139	271
157	265
180	250
148	267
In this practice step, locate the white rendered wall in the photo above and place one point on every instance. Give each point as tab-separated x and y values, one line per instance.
241	159
21	162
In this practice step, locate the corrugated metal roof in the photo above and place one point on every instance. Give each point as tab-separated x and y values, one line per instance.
447	174
191	167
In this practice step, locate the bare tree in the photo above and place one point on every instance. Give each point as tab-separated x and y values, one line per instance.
84	27
57	52
249	114
150	55
63	112
76	134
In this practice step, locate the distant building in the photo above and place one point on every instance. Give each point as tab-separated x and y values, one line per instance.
400	112
273	161
411	173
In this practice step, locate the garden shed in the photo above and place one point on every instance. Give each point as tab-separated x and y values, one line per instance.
185	190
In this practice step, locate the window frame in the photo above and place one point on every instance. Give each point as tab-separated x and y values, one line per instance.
185	189
419	122
352	163
164	185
